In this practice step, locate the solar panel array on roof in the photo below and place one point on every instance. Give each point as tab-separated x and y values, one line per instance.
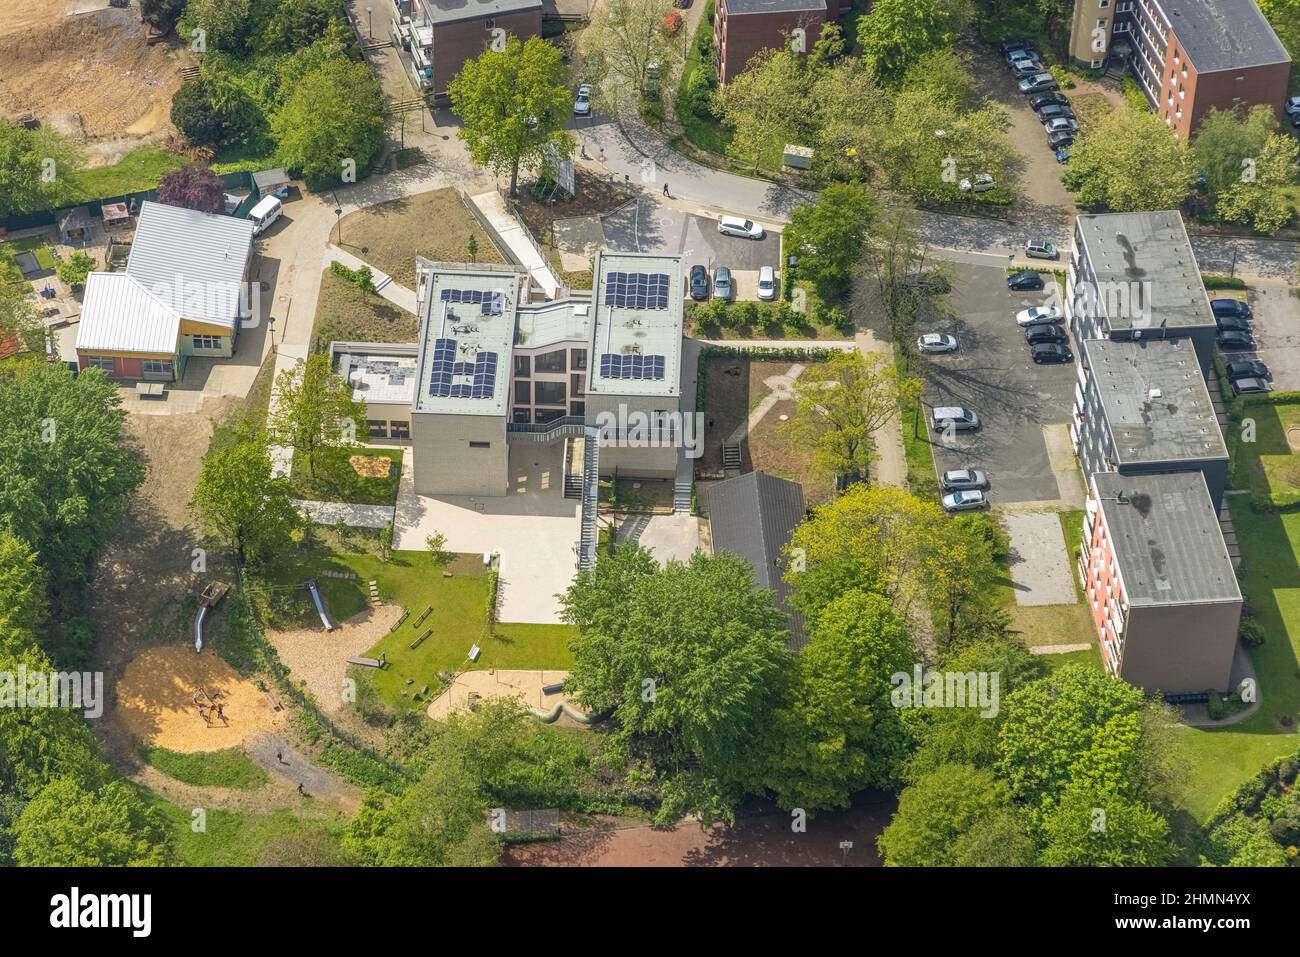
446	367
636	290
614	366
493	300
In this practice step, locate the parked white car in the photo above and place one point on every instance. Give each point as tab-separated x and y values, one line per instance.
582	105
1038	314
982	183
737	226
964	501
767	283
936	342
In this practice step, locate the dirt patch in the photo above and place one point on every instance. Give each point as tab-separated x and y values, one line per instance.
99	62
371	466
390	235
592	196
319	660
345	313
156	701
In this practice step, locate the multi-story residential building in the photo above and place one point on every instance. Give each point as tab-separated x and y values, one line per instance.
1188	55
1160	583
1141	408
492	368
742	28
1134	276
436	37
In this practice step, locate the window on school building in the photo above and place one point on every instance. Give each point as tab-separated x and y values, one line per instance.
100	362
157	367
206	342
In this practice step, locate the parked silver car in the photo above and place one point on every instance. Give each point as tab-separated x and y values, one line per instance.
722	284
964	501
960	480
936	342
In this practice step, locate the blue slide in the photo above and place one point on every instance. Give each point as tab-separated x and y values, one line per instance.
320	606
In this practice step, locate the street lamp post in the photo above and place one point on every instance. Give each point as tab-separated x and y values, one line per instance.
370	27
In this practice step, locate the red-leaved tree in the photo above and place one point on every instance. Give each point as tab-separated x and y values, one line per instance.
193	187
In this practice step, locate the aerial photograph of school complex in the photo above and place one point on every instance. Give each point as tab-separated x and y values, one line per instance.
650	433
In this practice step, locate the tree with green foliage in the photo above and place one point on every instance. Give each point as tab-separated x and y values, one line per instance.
240	500
617	47
66	469
20	324
895	34
314	409
841	403
297	23
850	113
1129	162
65	825
218	25
942	74
331	126
689	661
163	14
336	42
74	270
1261	198
936	811
1284	17
838	734
893	259
210	110
932	144
829	236
22	592
1080	725
513	105
886	540
1092	826
769	104
1226	143
36	169
998	839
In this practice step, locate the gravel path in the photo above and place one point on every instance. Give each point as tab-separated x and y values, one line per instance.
320	659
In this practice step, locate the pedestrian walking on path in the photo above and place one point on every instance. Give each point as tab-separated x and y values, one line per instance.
666	190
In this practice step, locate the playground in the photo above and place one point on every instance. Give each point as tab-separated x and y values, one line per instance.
170	697
320	660
527	687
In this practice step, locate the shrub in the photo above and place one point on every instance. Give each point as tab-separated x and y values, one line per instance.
75	269
697	94
1250	633
1212	281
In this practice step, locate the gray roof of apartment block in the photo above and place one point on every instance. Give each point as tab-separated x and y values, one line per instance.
1149	259
743	7
1166	538
450	11
753	516
1154	401
1224	34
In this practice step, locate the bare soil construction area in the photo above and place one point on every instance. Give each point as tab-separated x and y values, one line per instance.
91	73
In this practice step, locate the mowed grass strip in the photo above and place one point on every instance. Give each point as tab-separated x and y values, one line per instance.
228	768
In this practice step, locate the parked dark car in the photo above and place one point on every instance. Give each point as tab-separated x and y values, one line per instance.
1230	307
1249	386
1050	352
1231	339
1044	99
1025	279
1054	110
699	282
1007	46
1231	324
1040	334
1248	369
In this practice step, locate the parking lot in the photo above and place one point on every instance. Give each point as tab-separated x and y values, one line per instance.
1024	408
1276	328
645	226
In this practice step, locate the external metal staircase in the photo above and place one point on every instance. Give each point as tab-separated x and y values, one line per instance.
565	427
590	498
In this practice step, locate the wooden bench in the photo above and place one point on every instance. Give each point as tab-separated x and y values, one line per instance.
150	390
369	662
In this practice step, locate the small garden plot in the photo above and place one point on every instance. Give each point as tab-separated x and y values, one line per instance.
344	475
390	235
748	400
345	313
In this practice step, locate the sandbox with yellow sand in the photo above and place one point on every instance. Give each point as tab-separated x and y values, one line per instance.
156	701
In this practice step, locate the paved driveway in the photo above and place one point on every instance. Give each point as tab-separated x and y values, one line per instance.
646	226
534	528
1020	404
1277	331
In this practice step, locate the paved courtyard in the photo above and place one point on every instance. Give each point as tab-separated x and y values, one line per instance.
534	528
1040	565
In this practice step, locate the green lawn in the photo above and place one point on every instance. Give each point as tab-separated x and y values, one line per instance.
229	768
235	838
457	622
921	478
348	314
1090	656
140	169
38	245
336	480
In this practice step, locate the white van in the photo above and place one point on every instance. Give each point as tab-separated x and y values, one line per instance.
266	212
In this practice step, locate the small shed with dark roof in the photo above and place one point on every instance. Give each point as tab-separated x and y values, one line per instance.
753	516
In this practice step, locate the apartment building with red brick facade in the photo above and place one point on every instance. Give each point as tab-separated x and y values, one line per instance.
741	28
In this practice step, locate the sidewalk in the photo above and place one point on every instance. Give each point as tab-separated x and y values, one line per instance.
513	235
356	516
394	292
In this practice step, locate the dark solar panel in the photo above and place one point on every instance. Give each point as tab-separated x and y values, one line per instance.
445	367
636	290
614	366
493	302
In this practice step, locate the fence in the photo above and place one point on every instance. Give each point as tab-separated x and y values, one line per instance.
50	217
